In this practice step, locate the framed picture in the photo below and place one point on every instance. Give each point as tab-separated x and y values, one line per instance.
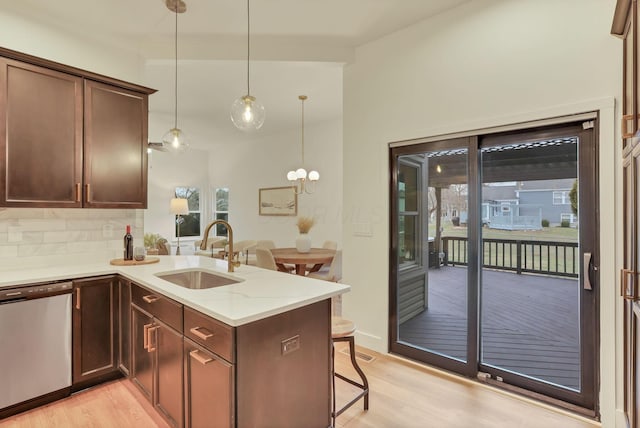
278	201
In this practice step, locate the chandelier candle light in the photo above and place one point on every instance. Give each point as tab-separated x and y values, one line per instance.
300	177
174	140
247	113
179	207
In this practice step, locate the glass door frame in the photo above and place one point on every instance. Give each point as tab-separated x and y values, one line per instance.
588	239
468	367
585	401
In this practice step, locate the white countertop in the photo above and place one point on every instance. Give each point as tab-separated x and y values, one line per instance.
260	294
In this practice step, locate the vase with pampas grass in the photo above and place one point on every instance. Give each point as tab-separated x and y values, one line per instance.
303	241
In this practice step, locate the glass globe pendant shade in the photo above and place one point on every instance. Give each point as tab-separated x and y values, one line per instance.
291	176
175	141
247	114
314	176
301	173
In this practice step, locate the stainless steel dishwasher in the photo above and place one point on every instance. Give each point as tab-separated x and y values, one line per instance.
35	331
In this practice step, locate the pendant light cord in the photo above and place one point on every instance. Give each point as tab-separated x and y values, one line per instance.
303	133
248	47
175	88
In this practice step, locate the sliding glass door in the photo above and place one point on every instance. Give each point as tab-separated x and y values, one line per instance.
431	303
494	248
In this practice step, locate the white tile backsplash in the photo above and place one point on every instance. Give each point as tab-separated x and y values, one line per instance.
36	236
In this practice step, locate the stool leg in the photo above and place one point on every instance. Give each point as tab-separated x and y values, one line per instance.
365	382
333	385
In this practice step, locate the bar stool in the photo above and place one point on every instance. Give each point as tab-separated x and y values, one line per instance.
342	331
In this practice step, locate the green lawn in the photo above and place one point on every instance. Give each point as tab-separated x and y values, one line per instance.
561	234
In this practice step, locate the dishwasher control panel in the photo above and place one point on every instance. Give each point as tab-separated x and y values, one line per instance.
35	291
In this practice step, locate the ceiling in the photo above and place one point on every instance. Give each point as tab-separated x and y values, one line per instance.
297	47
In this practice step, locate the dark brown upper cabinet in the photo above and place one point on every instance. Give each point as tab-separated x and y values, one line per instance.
40	136
70	138
115	154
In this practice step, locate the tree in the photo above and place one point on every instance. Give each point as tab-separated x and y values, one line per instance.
573	197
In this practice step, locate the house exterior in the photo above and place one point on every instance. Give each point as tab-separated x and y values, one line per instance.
524	205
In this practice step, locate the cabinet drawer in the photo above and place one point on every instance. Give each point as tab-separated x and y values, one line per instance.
157	305
213	335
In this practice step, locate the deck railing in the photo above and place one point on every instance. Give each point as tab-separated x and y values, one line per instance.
546	257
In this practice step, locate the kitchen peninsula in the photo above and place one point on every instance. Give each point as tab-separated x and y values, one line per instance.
235	354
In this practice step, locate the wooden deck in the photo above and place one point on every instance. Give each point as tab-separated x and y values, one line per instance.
529	323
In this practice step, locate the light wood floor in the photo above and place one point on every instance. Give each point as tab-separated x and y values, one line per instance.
403	395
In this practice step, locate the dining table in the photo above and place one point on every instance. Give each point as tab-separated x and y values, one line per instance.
316	257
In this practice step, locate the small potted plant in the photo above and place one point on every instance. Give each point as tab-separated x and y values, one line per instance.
151	242
303	241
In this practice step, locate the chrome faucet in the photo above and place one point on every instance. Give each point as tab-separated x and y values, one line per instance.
203	245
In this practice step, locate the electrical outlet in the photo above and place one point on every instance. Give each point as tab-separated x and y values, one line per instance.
291	344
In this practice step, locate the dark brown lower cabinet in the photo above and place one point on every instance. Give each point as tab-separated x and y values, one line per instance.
95	329
124	316
141	360
208	393
157	365
199	372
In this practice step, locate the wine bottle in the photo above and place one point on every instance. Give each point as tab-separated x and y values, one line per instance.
128	244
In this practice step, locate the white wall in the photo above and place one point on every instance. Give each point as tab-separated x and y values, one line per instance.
62	45
246	165
486	63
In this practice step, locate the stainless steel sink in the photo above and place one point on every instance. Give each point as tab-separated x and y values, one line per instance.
196	279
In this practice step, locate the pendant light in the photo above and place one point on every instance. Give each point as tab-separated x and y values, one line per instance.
174	140
247	113
303	182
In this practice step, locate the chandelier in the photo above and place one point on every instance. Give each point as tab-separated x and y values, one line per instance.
304	182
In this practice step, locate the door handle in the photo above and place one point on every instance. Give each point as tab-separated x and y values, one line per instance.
152	331
150	298
199	358
628	293
87	188
586	266
78	298
201	332
78	192
145	336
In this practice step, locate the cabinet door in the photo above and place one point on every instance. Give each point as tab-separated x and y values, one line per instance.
124	317
166	343
94	328
142	366
40	137
115	147
209	397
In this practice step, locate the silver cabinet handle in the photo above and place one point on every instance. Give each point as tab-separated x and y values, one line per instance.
586	264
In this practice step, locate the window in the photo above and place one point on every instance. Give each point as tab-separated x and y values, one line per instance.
409	200
561	197
220	209
571	218
189	223
505	207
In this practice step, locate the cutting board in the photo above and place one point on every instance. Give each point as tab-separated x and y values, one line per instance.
123	262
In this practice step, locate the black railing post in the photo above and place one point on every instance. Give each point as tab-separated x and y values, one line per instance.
519	257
